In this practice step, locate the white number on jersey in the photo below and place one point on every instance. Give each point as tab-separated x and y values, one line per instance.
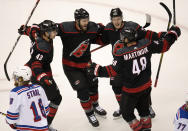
136	69
39	57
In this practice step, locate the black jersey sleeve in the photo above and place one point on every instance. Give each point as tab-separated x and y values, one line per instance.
111	70
98	39
60	29
38	60
148	34
162	45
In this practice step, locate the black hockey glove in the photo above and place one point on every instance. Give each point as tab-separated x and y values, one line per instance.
175	31
45	81
22	30
93	69
162	34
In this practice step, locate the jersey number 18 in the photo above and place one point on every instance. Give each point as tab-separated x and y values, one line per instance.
33	107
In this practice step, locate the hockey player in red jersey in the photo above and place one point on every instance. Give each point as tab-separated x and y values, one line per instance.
133	62
111	34
77	37
42	36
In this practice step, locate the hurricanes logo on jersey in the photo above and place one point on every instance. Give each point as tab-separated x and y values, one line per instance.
79	51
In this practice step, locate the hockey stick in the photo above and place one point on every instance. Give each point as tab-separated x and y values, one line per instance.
168	26
148	22
174	10
5	64
3	114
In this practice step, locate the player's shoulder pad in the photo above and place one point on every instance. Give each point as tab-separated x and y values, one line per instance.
42	45
131	24
93	27
19	89
68	26
125	50
109	26
183	113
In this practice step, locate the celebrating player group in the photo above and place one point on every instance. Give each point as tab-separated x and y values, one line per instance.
34	106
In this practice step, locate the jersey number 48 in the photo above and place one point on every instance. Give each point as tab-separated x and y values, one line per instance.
139	65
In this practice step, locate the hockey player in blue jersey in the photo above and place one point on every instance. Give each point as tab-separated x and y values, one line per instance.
181	118
29	105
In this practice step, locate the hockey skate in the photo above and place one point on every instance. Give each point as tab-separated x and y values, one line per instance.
51	129
99	111
152	113
93	120
117	114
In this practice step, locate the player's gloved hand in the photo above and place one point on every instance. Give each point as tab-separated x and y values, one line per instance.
93	69
175	31
162	34
22	30
13	126
45	81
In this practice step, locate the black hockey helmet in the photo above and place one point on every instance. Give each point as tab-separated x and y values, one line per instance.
48	26
81	14
129	33
115	12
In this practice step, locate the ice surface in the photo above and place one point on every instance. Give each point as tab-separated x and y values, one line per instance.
172	84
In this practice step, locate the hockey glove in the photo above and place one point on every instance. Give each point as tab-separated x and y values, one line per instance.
162	34
22	30
175	31
93	69
45	81
13	126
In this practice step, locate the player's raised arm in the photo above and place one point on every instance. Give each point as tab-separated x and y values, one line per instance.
31	31
164	44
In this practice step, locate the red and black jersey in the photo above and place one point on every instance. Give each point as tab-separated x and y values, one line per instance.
112	35
134	63
76	44
41	57
41	53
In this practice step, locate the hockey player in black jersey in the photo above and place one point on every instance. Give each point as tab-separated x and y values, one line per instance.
132	60
111	35
42	36
77	37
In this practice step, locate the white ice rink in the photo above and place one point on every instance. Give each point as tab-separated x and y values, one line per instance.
173	80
